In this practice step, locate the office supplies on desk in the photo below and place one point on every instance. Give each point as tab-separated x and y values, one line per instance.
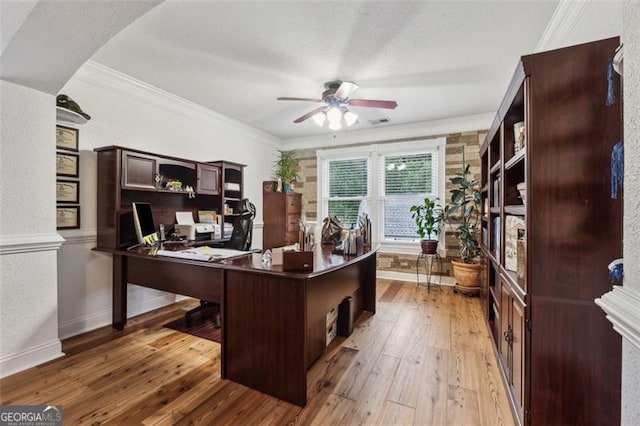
203	253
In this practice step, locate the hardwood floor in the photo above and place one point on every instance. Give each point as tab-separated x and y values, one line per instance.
423	359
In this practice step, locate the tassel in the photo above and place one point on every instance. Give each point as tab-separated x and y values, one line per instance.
617	168
611	85
616	271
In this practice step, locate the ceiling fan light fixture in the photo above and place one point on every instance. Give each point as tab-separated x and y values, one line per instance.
334	115
335	126
319	118
350	118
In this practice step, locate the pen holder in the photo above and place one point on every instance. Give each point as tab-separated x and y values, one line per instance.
297	261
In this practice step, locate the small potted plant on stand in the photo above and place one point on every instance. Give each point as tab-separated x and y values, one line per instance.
463	211
429	219
286	169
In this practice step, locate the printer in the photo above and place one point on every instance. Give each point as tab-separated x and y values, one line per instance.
186	228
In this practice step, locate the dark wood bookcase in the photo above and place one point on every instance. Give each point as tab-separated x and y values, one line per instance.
127	175
560	357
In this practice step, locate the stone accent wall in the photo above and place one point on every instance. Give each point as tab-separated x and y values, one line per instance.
459	144
307	184
456	143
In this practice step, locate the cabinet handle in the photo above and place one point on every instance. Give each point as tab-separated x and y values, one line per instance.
508	336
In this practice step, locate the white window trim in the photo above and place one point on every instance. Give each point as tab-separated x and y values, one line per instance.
373	151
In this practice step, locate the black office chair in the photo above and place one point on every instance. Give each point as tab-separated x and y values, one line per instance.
242	227
240	240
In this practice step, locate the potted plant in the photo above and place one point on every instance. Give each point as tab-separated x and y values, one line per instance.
286	169
429	219
463	212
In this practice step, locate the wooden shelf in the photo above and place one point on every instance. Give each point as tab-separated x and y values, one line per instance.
516	159
495	210
518	210
495	167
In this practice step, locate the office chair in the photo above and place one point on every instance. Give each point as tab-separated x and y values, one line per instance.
240	240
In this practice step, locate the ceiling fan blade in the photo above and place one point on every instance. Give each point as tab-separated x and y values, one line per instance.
345	90
300	99
309	114
370	103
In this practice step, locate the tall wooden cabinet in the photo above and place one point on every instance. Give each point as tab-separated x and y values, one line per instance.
560	357
282	211
127	175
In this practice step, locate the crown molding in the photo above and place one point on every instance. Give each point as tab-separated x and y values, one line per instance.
622	307
422	129
564	18
98	75
28	243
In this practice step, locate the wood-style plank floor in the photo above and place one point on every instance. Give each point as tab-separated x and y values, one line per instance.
423	359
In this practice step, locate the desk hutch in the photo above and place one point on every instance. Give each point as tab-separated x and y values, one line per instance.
127	175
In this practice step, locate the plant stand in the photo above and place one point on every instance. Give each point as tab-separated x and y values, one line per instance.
432	263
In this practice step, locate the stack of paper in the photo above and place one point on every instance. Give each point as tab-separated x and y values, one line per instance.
204	253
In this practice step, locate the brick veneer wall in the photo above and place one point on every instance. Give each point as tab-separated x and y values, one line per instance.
470	142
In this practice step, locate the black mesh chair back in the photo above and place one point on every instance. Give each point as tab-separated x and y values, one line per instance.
242	227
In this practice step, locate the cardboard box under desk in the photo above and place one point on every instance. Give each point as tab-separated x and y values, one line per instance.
297	261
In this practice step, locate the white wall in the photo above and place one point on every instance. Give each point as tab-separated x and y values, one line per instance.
631	353
28	241
130	113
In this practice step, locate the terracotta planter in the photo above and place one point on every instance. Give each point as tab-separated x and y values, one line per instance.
467	277
429	246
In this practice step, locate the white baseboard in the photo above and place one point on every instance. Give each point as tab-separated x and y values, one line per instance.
406	276
91	322
14	363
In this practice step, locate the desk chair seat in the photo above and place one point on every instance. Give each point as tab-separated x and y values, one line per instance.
240	240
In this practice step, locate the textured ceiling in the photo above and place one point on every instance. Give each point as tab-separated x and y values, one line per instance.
436	59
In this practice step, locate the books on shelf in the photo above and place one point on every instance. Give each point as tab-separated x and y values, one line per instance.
511	227
521	249
496	237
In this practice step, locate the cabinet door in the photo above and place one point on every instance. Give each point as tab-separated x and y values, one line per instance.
139	170
505	329
208	179
517	354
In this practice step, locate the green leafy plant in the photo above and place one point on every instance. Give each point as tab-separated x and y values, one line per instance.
464	211
286	167
429	217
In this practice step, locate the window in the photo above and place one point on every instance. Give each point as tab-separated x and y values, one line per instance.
347	188
383	181
406	180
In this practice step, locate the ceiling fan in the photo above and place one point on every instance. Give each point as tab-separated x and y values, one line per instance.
336	97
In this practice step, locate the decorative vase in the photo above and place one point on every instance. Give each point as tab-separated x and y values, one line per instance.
467	277
286	187
429	246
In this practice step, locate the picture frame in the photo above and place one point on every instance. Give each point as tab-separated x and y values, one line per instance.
67	164
67	191
68	217
67	138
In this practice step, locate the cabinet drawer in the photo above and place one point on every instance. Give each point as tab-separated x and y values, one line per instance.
292	222
293	204
290	238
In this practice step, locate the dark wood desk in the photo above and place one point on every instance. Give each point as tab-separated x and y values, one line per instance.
273	322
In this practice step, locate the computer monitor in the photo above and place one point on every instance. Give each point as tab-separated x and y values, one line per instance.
143	221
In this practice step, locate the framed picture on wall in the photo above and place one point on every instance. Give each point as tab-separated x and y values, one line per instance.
67	164
66	138
68	217
67	191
